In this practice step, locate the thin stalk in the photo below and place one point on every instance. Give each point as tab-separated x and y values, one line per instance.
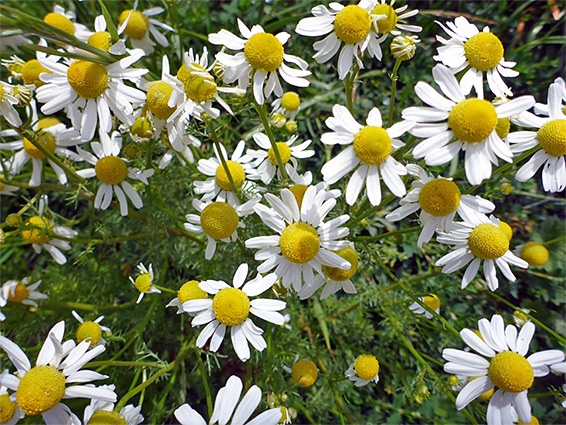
112	240
221	155
394	79
349	87
561	239
371	211
206	387
164	289
262	112
119	363
56	305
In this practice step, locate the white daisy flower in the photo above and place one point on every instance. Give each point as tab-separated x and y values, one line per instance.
189	291
387	20
477	51
371	149
475	240
91	331
10	413
471	121
364	370
22	291
219	220
103	411
89	91
550	136
64	20
40	389
230	307
304	372
144	281
542	109
112	171
431	300
263	57
7	102
304	242
266	162
502	364
225	410
439	200
101	39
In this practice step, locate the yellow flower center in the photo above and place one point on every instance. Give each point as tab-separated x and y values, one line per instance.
432	301
190	291
340	275
534	253
137	25
304	373
552	137
372	145
143	282
183	74
37	230
472	120
290	101
502	127
534	421
299	243
87	79
61	22
44	138
231	306
386	24
219	220
264	52
440	197
284	153
485	396
197	88
506	229
511	372
157	97
366	367
101	40
7	408
298	191
89	330
484	51
352	24
104	417
488	242
31	71
40	390
236	171
111	170
19	293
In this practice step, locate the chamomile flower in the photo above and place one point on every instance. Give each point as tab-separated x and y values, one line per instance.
263	57
364	370
102	40
22	291
112	171
188	291
501	364
479	239
439	200
100	411
231	307
287	105
304	241
387	20
144	281
7	102
472	121
478	52
10	413
266	162
229	409
551	137
91	331
370	151
64	20
304	372
431	301
219	220
40	389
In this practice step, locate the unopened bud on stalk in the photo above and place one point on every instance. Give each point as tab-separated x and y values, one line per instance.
404	47
291	126
278	121
13	220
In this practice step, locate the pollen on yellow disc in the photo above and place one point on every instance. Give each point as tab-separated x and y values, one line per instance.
372	145
304	373
137	25
366	367
101	40
197	87
440	197
485	396
264	52
183	74
340	275
298	191
31	70
299	243
39	233
61	22
534	253
502	128
352	24
143	282
157	97
552	137
484	51
190	291
290	101
534	421
19	293
506	229
45	139
105	417
284	152
219	220
472	120
488	242
40	390
432	301
511	372
7	408
231	306
87	79
236	171
89	330
385	25
111	170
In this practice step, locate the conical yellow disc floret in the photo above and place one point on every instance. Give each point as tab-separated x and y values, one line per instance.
19	293
511	372
142	128
352	24
40	390
552	137
190	291
284	152
488	242
61	22
236	171
87	79
290	101
111	170
472	120
304	373
432	301
219	220
137	25
231	306
37	230
157	97
299	243
199	88
298	191
105	417
372	145
101	40
7	408
31	70
366	367
183	74
340	275
440	197
264	52
386	24
484	51
502	128
89	330
506	229
143	282
534	253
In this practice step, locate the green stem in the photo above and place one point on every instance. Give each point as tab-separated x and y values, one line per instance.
371	211
349	87
221	155
394	79
206	386
385	235
56	305
554	241
162	288
262	112
118	363
113	240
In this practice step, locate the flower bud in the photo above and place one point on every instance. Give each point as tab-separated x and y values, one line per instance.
404	47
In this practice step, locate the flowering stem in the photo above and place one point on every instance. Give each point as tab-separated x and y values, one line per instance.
372	210
394	79
385	235
162	288
118	363
561	239
221	155
206	387
262	112
349	87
